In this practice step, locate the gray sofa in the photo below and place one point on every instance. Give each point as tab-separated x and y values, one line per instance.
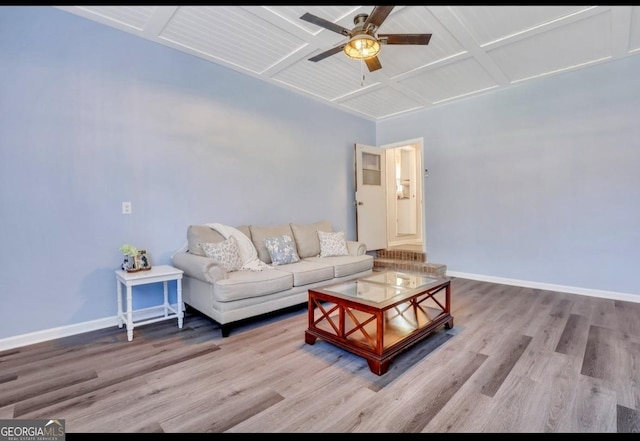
230	296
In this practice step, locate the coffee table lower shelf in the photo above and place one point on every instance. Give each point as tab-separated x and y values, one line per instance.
377	334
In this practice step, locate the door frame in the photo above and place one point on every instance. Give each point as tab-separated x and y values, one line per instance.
419	238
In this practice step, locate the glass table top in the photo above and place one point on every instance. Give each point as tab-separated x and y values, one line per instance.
397	278
382	286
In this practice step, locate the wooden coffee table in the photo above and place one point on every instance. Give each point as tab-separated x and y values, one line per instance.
380	315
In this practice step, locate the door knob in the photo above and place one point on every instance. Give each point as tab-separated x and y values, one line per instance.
360	203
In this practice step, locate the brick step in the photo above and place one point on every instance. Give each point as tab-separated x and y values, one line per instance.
431	269
398	254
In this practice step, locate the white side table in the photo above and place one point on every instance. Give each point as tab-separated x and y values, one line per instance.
159	273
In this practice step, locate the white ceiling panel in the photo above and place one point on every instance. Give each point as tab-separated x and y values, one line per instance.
450	81
578	43
473	49
230	34
487	24
382	102
134	16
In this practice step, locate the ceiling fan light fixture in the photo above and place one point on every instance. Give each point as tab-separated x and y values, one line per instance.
362	46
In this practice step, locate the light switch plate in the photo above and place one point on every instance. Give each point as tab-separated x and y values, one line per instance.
126	208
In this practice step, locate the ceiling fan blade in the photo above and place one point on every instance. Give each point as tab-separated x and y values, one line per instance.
373	63
327	53
325	24
404	38
377	16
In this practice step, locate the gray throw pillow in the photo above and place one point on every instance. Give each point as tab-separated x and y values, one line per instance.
281	249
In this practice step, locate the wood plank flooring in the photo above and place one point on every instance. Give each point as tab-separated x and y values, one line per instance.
517	360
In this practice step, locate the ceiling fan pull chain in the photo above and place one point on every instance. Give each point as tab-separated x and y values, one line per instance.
362	72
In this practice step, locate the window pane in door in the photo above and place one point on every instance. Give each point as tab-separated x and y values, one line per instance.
371	173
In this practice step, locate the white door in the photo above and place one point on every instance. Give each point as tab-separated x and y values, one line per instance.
371	194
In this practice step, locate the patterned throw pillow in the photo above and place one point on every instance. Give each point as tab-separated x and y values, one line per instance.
281	249
332	244
225	252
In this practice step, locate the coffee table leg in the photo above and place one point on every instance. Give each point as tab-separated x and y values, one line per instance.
309	338
377	367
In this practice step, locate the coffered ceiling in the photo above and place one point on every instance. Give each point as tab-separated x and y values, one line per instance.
473	49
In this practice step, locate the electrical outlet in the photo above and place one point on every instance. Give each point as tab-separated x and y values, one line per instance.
126	208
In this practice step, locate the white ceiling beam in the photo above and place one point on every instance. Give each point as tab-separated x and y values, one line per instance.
620	30
158	20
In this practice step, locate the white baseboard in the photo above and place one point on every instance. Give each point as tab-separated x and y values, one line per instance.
66	331
611	295
53	333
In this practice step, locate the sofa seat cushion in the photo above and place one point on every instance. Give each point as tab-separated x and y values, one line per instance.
305	272
243	284
345	265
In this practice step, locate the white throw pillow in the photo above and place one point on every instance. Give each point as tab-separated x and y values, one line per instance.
281	249
332	244
225	252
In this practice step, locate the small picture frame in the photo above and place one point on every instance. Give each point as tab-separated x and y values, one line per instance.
142	260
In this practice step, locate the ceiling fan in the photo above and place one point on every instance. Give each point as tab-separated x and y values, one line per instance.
364	43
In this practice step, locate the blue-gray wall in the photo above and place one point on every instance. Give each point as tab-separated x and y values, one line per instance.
537	183
91	116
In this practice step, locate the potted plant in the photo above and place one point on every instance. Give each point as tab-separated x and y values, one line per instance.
130	252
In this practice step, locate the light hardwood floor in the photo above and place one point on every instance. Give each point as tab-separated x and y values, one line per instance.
516	360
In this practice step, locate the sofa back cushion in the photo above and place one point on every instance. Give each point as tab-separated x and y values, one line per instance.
259	234
197	234
306	237
245	229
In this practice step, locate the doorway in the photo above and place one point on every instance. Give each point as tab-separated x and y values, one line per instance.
390	207
404	195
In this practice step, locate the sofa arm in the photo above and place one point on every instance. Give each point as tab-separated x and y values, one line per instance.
356	248
199	267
